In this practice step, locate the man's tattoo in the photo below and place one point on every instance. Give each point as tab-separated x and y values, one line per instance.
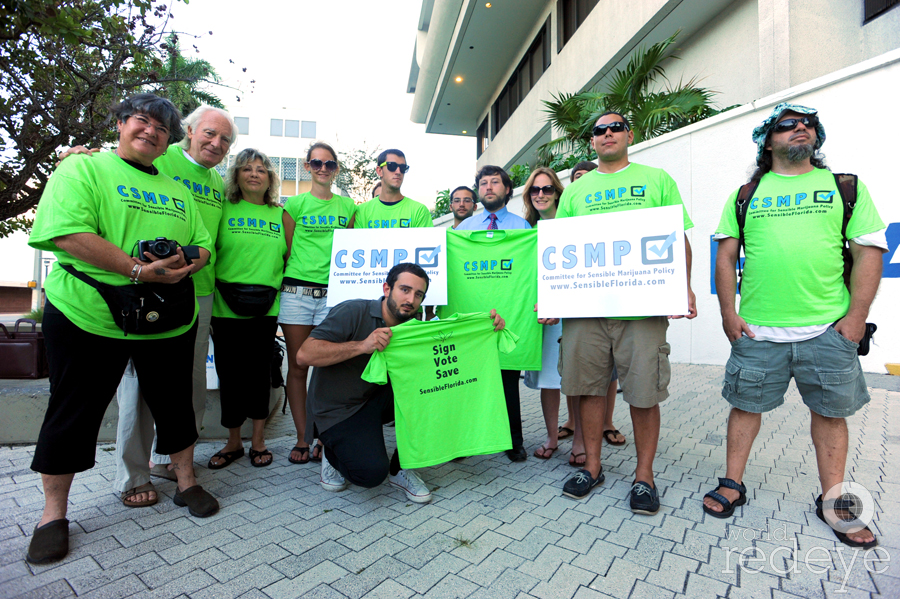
160	271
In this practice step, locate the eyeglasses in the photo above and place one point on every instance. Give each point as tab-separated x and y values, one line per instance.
810	122
316	164
616	127
547	189
393	166
145	122
457	201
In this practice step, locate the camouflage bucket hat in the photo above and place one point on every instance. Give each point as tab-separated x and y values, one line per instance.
762	131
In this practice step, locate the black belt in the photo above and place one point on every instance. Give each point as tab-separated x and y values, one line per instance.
315	292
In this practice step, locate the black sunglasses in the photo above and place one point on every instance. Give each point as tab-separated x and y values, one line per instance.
393	166
547	189
810	122
316	164
616	127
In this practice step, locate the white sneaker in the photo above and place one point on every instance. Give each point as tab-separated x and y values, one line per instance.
410	482
331	479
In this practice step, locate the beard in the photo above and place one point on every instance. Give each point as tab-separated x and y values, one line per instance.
493	205
394	309
798	153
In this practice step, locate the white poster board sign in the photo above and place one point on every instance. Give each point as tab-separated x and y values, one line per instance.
628	263
361	259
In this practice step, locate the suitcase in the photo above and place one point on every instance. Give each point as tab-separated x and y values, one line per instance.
23	354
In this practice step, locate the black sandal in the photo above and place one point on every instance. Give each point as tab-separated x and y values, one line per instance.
228	456
317	458
260	454
844	506
304	455
727	506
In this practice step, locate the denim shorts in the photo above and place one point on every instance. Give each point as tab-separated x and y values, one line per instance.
826	369
297	308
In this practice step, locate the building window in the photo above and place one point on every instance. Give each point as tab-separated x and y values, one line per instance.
483	138
289	167
308	129
874	8
292	128
243	125
570	14
276	127
523	79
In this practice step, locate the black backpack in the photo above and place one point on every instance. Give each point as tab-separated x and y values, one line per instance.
846	184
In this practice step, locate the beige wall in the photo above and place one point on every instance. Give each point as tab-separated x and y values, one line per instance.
751	49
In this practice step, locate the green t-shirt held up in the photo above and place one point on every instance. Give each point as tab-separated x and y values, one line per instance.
314	223
497	270
105	196
405	214
793	272
207	189
448	394
251	249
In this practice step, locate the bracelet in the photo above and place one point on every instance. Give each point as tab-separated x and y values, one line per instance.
140	269
134	270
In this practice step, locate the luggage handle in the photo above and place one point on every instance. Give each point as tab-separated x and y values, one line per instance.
30	321
6	331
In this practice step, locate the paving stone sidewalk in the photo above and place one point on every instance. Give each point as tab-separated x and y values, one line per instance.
495	529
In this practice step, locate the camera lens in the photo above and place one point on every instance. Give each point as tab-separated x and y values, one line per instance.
161	249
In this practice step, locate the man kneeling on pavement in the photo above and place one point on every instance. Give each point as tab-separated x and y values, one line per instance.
345	412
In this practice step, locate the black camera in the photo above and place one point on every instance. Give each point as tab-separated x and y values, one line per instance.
159	247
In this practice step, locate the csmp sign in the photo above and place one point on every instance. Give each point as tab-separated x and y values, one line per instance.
616	264
361	259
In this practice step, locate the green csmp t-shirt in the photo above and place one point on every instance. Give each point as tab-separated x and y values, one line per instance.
636	186
105	196
207	189
793	272
497	270
314	223
448	394
251	248
405	214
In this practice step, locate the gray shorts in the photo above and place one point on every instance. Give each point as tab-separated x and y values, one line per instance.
825	368
296	308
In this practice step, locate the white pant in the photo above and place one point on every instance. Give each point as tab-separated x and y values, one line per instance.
136	435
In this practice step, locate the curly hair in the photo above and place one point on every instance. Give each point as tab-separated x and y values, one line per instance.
245	157
531	214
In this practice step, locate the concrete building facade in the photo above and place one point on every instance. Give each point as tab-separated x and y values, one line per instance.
483	69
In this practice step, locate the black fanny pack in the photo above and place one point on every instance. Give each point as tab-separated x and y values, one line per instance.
247	300
146	308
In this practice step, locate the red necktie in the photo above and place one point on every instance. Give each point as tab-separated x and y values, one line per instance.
493	223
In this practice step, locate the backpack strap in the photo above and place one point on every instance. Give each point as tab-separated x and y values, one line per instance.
847	186
741	206
83	277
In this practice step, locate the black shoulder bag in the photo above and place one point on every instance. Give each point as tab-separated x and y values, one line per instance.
247	300
145	308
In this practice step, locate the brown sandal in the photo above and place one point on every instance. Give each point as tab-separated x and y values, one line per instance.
573	460
543	449
145	488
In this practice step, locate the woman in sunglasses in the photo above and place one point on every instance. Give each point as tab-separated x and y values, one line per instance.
541	198
309	223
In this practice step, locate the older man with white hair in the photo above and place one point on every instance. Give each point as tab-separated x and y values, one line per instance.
210	134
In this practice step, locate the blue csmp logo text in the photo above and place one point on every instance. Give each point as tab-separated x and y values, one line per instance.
392	223
655	249
199	189
323	220
252	223
488	265
149	196
426	257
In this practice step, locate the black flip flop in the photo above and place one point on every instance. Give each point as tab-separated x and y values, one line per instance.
260	454
228	456
304	453
564	432
608	435
312	456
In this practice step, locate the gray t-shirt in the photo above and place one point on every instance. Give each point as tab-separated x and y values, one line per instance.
337	392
